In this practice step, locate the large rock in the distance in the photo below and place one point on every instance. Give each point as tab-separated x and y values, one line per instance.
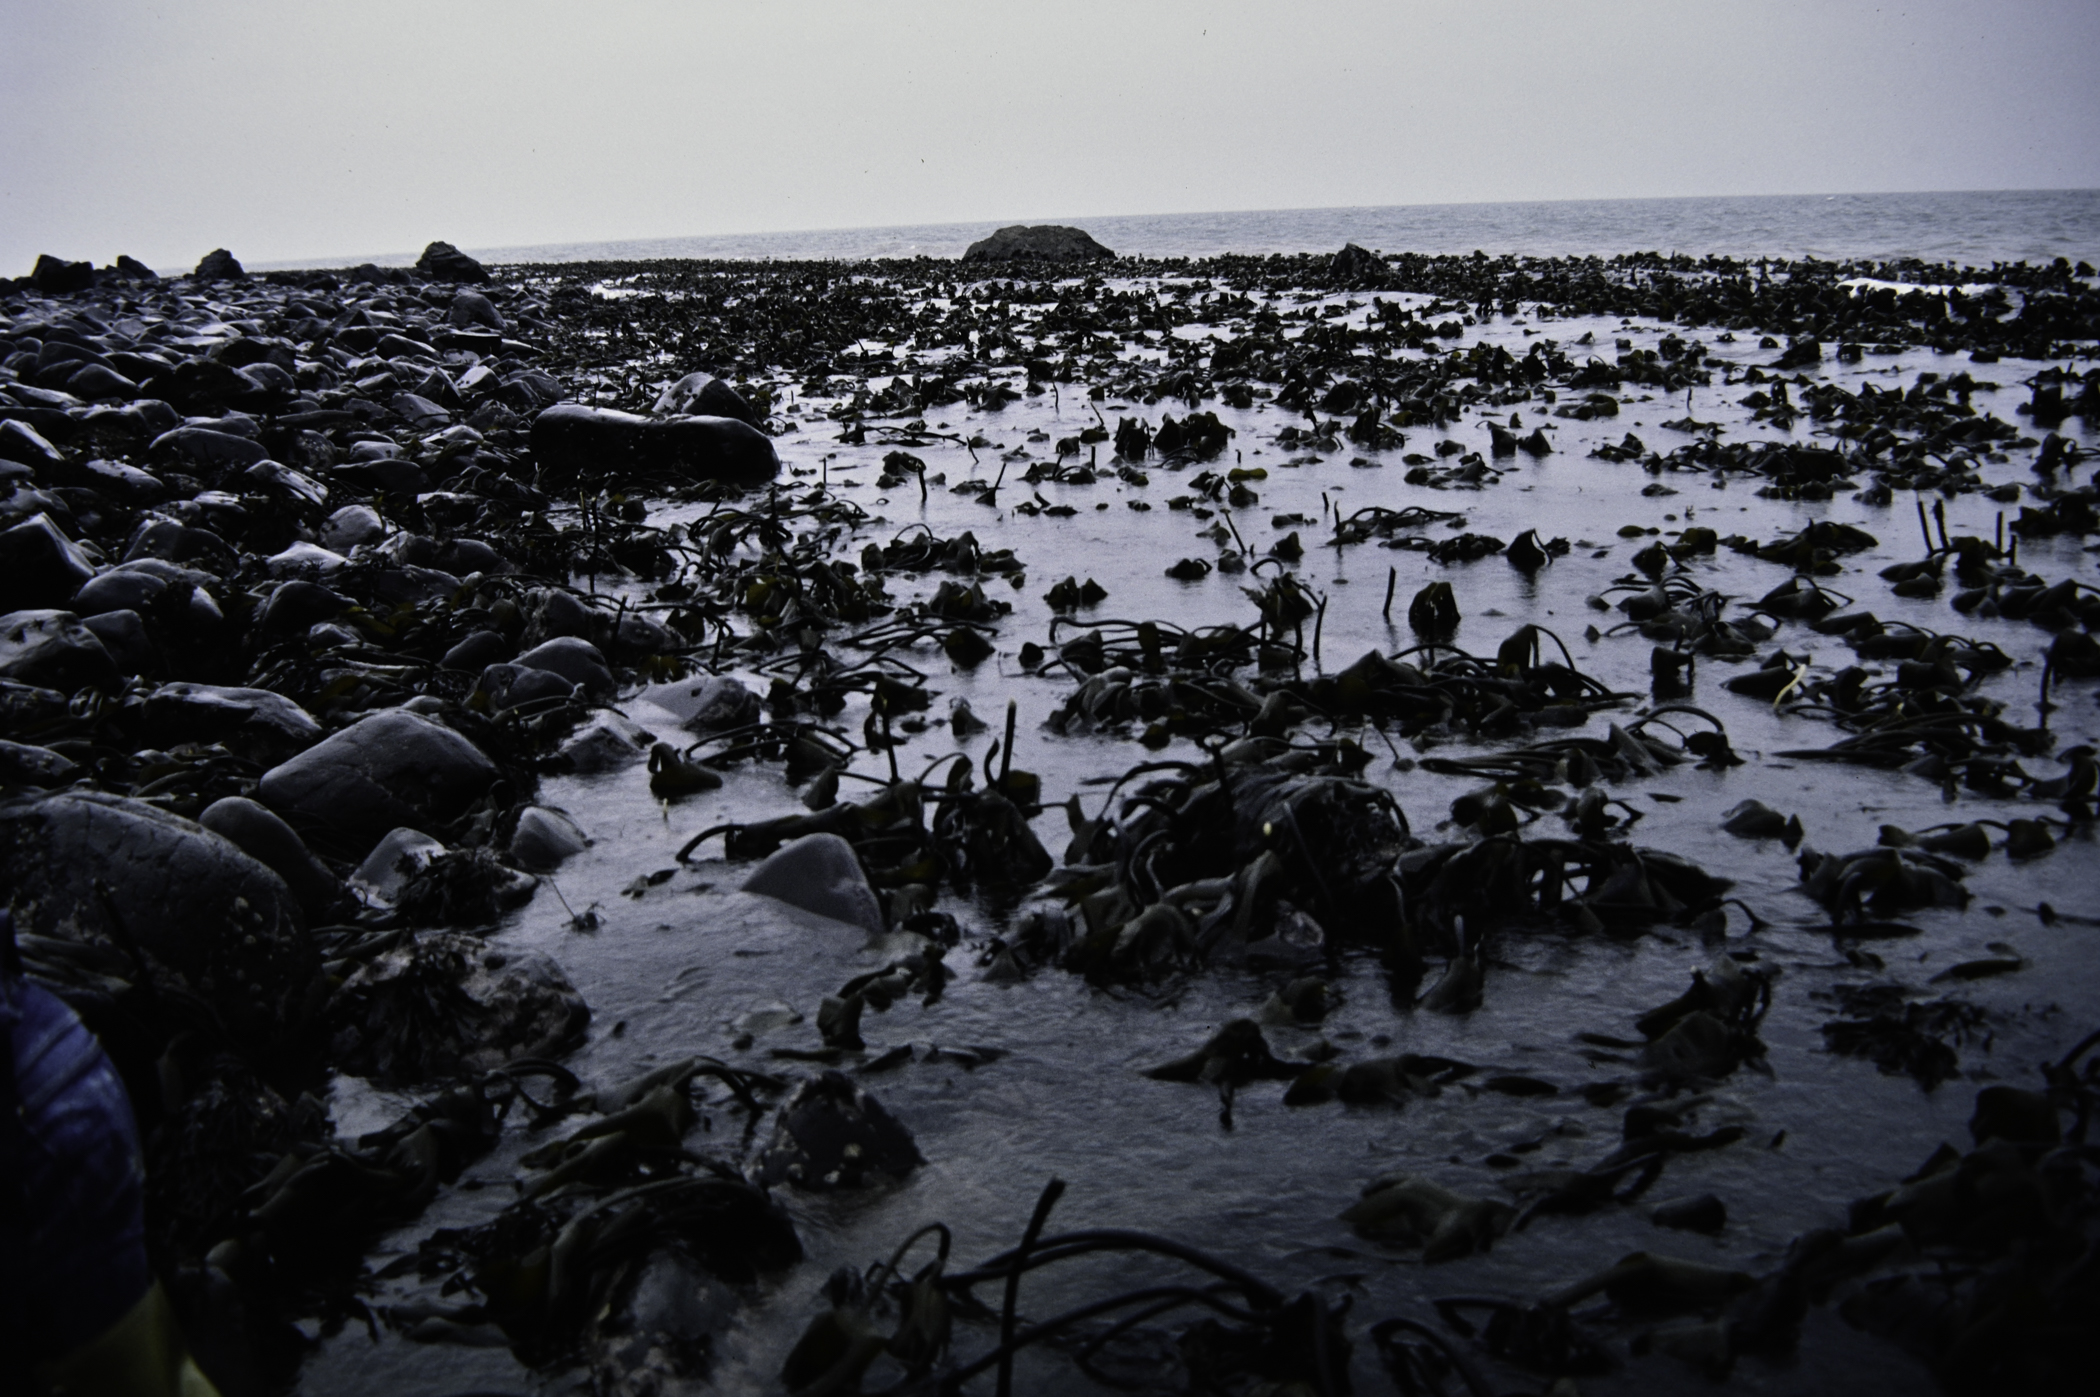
219	265
441	261
54	276
381	772
1043	242
572	437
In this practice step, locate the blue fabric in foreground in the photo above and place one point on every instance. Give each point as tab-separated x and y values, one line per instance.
72	1202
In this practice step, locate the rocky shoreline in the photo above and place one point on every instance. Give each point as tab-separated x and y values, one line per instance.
310	581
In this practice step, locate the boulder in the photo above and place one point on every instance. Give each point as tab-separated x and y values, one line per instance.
571	437
21	442
471	308
219	265
203	447
506	686
54	276
545	839
53	650
555	611
1358	266
188	901
574	659
24	765
704	395
1043	242
95	382
123	634
820	873
275	845
383	771
257	723
39	565
478	650
441	261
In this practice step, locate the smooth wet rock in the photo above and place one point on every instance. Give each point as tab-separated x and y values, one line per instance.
98	382
219	265
257	723
181	543
394	860
449	1004
124	635
831	1135
820	873
53	650
545	839
295	606
471	308
23	443
704	395
555	611
189	900
478	650
1043	242
441	261
262	836
386	770
570	437
201	447
505	686
574	659
419	412
39	565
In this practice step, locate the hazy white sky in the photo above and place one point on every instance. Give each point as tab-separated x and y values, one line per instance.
311	129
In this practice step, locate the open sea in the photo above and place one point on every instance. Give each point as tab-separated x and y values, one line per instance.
1971	228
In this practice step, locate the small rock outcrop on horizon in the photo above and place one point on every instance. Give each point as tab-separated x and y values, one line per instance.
441	261
219	265
1043	242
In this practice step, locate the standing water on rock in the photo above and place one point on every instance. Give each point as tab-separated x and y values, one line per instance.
1450	823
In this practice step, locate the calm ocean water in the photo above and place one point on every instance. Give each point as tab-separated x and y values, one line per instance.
1971	228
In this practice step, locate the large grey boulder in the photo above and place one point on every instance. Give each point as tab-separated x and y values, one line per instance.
383	771
572	437
820	873
108	872
1042	242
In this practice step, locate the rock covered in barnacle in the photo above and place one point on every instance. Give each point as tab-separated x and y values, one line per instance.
165	896
446	1003
832	1134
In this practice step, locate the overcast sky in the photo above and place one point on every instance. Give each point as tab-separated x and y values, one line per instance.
319	130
